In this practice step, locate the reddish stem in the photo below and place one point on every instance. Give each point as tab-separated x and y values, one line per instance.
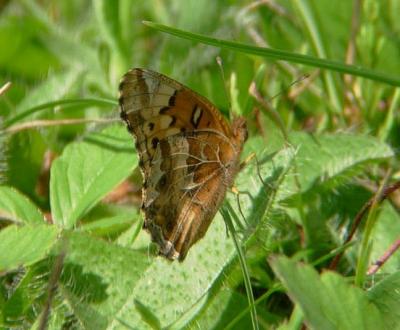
381	261
357	220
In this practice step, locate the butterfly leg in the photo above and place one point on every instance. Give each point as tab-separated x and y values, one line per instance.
247	161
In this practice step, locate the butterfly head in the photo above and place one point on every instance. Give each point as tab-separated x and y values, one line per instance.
239	130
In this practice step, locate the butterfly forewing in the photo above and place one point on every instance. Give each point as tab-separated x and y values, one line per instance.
188	156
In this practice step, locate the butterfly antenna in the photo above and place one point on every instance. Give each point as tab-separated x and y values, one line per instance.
266	104
284	90
268	109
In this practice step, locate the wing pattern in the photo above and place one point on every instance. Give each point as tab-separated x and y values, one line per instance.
188	153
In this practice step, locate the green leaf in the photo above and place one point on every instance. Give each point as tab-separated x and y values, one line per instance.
25	245
99	278
109	225
385	294
87	171
327	300
322	160
17	208
260	183
225	307
175	292
26	294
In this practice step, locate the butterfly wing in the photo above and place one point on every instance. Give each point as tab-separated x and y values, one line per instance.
188	156
155	107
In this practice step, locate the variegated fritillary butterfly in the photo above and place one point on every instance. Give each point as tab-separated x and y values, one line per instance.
189	156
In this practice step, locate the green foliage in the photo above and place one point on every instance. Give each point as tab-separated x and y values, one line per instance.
17	208
87	171
25	245
323	147
328	302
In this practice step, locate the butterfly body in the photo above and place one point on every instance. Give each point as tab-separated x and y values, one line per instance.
189	156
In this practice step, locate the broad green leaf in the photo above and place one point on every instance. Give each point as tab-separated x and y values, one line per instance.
260	184
87	171
176	292
328	301
96	279
109	225
386	296
322	160
23	246
99	277
17	208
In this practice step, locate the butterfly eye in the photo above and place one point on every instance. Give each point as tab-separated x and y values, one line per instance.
163	180
154	142
246	134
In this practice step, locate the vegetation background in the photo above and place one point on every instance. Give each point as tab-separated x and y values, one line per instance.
72	253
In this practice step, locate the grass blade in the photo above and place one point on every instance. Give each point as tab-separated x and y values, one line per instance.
276	54
246	276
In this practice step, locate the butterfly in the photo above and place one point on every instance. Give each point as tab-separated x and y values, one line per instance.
189	156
